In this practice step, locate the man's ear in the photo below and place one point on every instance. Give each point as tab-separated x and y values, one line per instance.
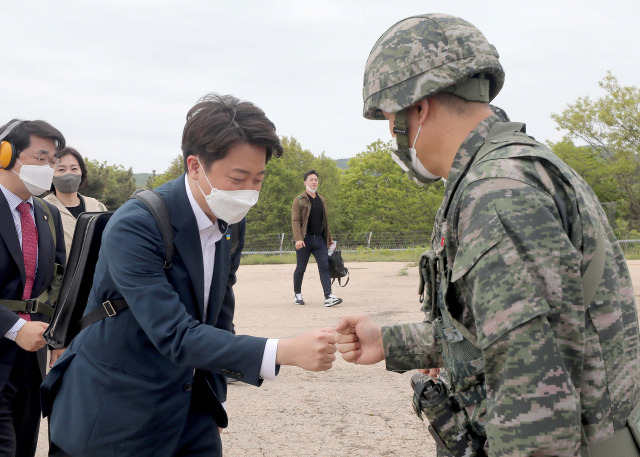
423	110
193	167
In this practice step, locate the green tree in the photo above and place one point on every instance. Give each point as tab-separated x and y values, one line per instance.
594	169
610	126
176	169
377	196
283	180
110	184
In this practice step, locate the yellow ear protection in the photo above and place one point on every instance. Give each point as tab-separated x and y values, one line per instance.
8	152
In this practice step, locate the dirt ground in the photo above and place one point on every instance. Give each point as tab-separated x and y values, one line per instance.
348	411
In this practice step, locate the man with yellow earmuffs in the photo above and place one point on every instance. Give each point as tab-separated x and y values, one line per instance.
32	250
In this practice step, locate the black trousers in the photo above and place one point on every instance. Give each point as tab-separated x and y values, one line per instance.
200	437
316	245
20	407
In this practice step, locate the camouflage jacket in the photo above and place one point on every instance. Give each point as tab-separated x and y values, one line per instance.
523	231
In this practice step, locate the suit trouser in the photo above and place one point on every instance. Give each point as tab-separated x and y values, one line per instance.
20	407
200	437
316	245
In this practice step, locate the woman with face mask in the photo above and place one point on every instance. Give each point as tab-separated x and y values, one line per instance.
69	176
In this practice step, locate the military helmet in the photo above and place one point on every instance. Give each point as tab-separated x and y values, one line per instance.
426	54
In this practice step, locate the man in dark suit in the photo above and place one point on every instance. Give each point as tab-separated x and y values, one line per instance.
151	380
28	256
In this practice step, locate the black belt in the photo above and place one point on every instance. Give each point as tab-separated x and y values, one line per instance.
32	305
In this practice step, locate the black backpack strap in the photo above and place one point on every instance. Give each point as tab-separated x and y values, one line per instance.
235	237
158	209
108	309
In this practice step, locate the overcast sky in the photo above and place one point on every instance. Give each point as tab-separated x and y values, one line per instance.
117	77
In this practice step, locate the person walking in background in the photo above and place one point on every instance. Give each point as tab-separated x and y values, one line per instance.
312	236
31	244
70	176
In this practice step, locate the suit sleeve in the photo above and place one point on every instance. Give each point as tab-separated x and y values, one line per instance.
521	274
135	254
296	220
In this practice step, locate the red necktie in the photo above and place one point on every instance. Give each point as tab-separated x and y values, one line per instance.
29	251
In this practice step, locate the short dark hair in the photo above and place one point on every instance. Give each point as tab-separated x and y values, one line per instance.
310	172
455	103
219	122
83	167
20	136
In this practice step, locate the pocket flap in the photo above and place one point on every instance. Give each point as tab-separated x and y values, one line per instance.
482	234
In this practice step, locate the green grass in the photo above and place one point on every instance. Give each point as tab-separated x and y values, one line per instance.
362	255
631	250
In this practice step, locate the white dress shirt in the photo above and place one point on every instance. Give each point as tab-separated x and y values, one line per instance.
209	235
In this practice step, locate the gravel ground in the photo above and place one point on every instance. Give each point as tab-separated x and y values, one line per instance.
348	411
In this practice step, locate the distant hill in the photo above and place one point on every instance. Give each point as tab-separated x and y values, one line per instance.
342	163
141	179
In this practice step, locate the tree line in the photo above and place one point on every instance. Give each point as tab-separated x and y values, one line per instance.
373	194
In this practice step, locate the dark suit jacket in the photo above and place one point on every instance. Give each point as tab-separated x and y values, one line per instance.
12	275
124	385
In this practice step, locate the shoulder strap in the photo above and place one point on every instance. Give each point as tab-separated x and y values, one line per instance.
593	275
300	200
235	237
500	135
47	210
158	209
503	134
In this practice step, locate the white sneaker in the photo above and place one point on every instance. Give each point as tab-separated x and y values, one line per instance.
332	300
297	299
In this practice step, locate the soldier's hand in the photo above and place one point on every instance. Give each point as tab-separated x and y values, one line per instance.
299	244
30	336
359	340
313	351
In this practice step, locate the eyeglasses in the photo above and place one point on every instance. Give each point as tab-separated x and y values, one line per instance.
43	159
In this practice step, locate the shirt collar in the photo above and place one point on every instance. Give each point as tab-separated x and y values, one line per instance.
13	200
201	218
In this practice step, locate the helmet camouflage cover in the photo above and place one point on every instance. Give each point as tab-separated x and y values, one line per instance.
426	54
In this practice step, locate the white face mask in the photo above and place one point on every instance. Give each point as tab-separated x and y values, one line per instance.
310	190
418	167
36	178
229	205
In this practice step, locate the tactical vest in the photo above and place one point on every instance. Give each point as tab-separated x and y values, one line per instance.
461	352
462	357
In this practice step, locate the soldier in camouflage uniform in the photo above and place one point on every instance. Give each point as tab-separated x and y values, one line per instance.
530	305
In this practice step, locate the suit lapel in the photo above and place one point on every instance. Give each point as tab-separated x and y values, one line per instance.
187	239
46	249
10	236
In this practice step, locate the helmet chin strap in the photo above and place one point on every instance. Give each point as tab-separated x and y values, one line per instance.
402	139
